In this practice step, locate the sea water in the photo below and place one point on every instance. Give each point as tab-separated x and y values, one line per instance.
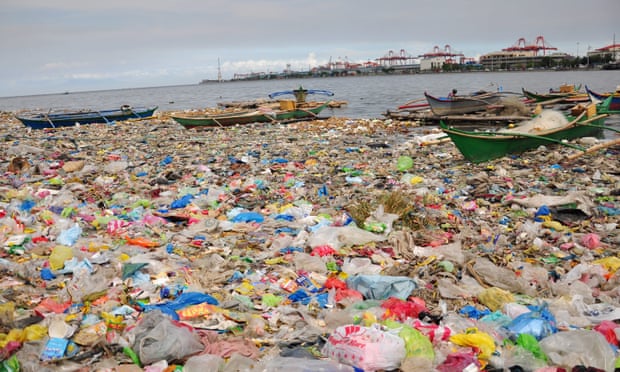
367	97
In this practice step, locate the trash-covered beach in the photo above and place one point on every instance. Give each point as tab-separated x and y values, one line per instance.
329	245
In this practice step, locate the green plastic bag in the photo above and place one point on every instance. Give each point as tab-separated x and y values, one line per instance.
416	344
529	342
404	163
10	365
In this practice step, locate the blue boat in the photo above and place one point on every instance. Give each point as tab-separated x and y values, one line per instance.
609	101
39	120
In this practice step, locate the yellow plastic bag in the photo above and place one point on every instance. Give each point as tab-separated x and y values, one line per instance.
35	332
494	298
60	254
481	341
611	264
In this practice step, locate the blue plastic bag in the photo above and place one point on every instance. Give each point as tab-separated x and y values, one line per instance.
248	217
183	202
184	300
70	236
539	323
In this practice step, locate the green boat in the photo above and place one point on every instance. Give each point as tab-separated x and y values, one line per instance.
556	97
293	113
479	147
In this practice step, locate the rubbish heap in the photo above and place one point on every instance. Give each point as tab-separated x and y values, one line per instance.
331	245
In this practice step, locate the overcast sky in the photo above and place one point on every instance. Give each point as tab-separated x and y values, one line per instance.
50	46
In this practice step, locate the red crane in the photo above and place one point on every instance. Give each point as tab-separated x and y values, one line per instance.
537	46
392	58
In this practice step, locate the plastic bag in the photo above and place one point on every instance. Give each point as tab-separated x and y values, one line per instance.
204	362
539	323
529	342
608	329
59	255
495	298
339	236
379	287
70	236
401	309
184	300
416	343
291	364
158	338
368	348
481	341
579	347
458	362
404	163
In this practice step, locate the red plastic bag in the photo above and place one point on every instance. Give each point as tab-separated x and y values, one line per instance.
323	250
333	282
348	294
458	362
607	329
398	309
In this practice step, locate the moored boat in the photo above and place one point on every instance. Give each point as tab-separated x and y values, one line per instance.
455	105
52	119
285	114
559	97
481	146
610	101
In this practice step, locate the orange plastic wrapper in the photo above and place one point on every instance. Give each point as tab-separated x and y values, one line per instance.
142	242
47	305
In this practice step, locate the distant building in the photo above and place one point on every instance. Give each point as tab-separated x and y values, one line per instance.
523	55
432	63
612	50
434	60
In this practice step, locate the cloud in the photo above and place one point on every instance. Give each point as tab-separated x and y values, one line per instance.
130	42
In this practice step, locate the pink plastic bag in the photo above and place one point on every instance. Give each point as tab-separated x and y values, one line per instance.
590	241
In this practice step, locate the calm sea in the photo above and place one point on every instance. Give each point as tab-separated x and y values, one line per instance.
366	96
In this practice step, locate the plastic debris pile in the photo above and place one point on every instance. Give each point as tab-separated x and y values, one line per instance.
333	245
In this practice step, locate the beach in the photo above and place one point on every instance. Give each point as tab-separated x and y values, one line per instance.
139	245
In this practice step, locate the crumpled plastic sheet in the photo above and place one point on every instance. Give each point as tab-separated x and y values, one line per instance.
381	287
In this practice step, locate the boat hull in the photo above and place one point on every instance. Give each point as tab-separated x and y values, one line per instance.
248	117
56	120
461	105
571	97
479	147
612	106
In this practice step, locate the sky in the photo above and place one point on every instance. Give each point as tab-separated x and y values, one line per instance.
52	46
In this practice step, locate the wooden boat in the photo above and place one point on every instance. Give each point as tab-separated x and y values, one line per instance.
38	120
300	97
479	147
292	113
610	101
462	104
556	97
301	93
566	88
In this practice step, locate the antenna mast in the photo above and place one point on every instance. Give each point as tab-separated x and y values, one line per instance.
219	71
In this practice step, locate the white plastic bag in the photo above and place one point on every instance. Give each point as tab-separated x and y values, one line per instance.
368	348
